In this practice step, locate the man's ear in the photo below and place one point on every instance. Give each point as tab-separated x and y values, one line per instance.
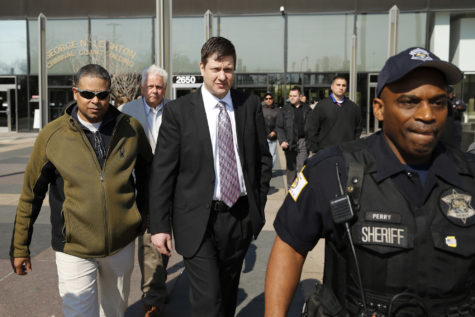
378	109
202	68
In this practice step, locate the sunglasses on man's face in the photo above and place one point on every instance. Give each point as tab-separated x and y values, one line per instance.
268	98
101	95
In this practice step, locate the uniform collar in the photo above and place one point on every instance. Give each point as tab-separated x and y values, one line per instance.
446	168
387	164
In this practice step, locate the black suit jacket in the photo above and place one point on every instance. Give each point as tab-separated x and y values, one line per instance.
183	177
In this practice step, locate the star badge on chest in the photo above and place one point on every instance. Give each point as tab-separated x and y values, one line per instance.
457	206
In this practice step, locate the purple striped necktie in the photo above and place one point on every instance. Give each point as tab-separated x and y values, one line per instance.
228	174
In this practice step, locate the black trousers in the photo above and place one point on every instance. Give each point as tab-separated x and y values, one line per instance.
214	271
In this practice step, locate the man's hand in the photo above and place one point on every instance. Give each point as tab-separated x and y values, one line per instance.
163	243
21	265
284	145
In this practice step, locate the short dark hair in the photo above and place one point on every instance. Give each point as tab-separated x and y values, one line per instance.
295	88
92	70
219	45
339	77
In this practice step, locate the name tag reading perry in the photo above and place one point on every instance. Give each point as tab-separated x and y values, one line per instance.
379	234
298	185
382	216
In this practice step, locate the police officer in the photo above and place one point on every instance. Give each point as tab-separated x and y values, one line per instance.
411	213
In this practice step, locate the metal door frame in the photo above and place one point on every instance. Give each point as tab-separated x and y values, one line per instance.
369	105
7	88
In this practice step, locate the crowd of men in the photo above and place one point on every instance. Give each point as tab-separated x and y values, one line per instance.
396	208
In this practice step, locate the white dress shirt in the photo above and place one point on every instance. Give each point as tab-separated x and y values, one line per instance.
154	118
212	112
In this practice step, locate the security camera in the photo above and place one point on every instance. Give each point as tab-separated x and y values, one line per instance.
282	10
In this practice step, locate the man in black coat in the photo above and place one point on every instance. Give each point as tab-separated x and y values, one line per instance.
337	119
290	128
212	169
270	112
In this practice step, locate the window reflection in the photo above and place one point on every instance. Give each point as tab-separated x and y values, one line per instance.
65	40
187	38
411	30
127	41
373	37
13	58
372	41
259	42
319	43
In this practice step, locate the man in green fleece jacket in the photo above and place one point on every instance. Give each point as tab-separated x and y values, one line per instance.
95	161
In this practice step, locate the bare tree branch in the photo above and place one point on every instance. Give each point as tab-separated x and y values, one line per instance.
125	82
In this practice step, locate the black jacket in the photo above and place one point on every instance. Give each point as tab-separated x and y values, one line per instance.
285	127
329	124
270	117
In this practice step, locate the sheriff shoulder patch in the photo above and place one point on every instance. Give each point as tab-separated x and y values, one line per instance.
298	185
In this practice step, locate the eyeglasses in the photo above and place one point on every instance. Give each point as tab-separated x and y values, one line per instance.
101	95
268	98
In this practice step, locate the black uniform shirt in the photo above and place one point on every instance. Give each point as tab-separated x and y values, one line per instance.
305	214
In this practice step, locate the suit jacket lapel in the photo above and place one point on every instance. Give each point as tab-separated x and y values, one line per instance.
240	117
202	124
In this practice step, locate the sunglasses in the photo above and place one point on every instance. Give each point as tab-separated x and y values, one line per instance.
268	98
101	95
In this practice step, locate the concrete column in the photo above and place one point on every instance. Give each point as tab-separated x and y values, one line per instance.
440	38
353	72
42	72
208	24
392	29
163	41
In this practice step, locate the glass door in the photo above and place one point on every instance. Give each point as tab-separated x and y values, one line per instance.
4	111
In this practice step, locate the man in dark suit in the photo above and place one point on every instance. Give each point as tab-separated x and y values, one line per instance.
209	182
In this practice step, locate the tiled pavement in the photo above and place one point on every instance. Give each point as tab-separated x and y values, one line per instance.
37	295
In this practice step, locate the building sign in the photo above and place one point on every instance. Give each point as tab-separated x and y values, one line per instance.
97	50
188	79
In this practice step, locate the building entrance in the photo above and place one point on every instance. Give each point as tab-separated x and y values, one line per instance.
59	98
184	84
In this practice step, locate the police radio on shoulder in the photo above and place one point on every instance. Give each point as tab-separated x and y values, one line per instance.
341	206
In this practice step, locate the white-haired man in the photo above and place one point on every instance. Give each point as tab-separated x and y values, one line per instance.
148	110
